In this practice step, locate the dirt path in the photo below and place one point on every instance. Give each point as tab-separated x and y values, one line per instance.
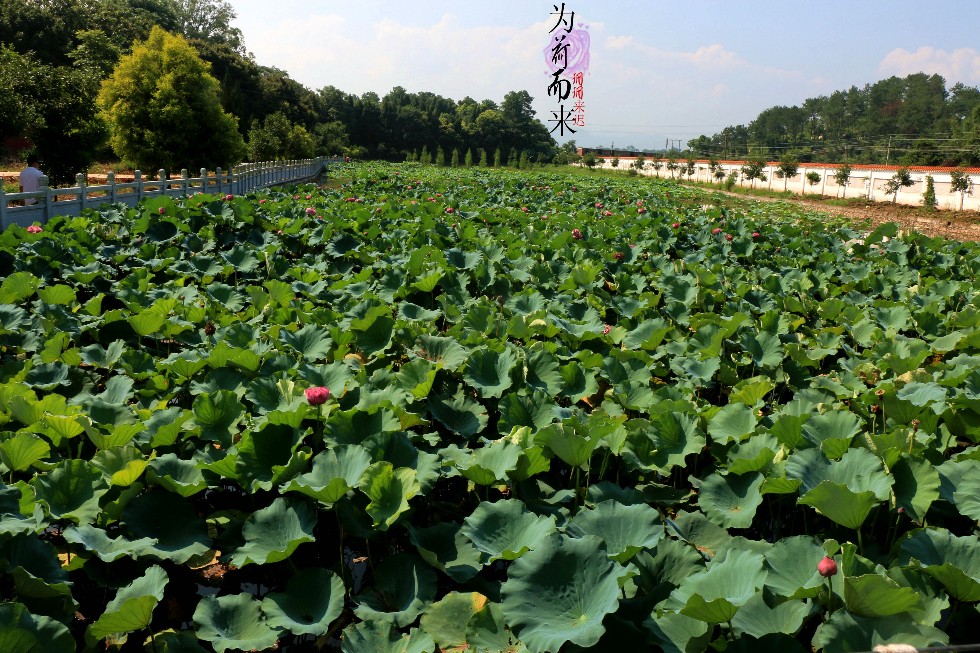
958	225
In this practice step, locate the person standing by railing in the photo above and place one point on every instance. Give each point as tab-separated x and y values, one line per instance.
29	178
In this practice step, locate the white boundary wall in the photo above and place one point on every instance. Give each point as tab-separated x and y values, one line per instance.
865	181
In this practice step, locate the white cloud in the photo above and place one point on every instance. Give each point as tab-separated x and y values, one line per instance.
959	65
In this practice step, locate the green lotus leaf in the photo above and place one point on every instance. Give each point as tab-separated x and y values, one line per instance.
858	469
874	595
179	538
273	533
486	631
647	335
754	455
403	587
625	530
229	298
561	593
217	414
697	370
122	465
506	529
678	633
147	322
574	439
764	348
459	414
22	450
389	490
703	534
951	560
48	376
832	431
490	464
731	501
12	318
334	473
24	632
71	491
382	637
840	504
664	443
542	372
38	579
847	632
446	548
535	410
414	313
716	594
373	331
171	641
312	342
732	423
443	351
269	456
232	623
175	474
313	599
489	372
106	548
757	618
132	607
446	619
18	514
17	287
751	391
665	567
917	485
577	382
960	485
792	566
58	294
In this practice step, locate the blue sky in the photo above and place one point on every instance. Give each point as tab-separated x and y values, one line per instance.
658	70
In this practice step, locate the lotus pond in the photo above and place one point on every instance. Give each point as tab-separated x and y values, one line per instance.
479	410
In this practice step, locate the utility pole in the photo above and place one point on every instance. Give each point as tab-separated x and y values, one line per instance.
888	151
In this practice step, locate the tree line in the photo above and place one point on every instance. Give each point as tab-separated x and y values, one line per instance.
915	120
169	83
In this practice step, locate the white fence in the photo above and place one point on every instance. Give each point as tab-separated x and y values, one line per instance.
864	181
71	201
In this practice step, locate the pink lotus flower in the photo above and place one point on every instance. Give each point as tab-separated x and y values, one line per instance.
317	395
576	234
279	232
229	197
606	329
34	229
598	205
641	210
728	237
161	210
607	213
408	188
716	231
449	209
262	201
756	234
525	209
618	256
675	225
310	211
827	567
309	197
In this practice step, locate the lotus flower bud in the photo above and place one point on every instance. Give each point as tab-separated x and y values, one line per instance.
827	567
317	395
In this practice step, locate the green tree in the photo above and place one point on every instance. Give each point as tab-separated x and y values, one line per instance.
843	176
164	109
689	167
440	157
331	138
657	164
813	178
960	182
929	195
277	139
208	20
497	158
754	169
671	165
639	163
719	173
455	160
62	122
788	167
425	157
614	162
901	179
484	162
468	161
513	159
590	160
